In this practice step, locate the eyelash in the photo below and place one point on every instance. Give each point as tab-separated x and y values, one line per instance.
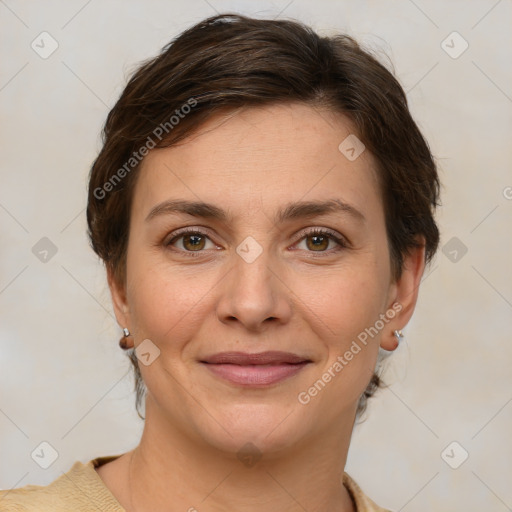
332	235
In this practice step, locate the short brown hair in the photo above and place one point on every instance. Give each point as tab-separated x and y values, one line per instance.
231	61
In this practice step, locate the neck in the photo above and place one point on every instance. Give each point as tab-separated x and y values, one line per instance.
170	471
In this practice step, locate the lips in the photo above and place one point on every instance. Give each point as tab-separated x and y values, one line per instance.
244	359
255	370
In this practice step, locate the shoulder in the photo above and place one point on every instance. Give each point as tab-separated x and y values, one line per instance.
80	489
361	501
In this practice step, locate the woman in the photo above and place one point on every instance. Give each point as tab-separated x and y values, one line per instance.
263	204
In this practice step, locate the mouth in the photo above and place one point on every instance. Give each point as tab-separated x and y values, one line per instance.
255	370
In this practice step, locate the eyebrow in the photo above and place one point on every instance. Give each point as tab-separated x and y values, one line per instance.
297	210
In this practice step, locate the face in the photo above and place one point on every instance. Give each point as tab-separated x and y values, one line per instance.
254	299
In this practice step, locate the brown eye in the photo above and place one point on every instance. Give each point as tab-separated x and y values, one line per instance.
190	241
193	242
317	242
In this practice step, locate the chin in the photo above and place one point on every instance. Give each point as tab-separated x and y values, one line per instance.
269	428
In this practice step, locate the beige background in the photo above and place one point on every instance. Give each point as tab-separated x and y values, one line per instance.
63	378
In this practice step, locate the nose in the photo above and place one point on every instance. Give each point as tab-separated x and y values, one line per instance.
254	294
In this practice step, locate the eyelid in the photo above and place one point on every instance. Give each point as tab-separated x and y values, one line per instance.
338	238
179	233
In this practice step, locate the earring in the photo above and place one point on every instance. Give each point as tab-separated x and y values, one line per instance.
398	335
122	342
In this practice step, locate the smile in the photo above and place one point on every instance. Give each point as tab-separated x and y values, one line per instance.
255	375
255	370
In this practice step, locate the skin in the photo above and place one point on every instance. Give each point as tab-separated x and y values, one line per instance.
293	297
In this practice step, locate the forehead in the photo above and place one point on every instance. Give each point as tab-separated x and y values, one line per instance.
272	154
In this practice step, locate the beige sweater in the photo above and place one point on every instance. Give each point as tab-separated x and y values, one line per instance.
82	490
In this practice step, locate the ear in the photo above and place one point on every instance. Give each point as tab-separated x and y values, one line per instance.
404	294
118	293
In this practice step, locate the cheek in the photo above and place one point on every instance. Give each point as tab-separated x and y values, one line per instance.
344	301
345	316
342	318
166	305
